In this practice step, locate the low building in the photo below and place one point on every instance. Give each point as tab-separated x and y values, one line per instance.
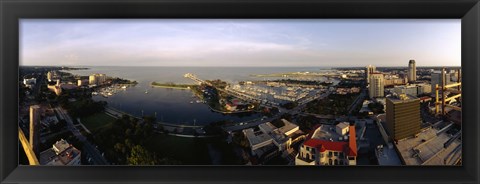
282	137
432	146
327	152
82	82
342	128
60	154
30	82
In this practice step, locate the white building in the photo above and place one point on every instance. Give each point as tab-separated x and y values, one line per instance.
268	135
30	82
326	152
369	69
376	86
61	153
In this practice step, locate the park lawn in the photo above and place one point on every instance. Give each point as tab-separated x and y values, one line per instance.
189	151
97	121
192	151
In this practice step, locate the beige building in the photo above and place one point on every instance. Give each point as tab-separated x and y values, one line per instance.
97	79
412	71
369	69
376	85
326	152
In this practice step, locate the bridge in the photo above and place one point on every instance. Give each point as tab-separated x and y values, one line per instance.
232	92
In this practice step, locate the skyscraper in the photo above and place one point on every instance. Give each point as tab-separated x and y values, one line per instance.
412	71
438	79
403	116
34	127
376	86
369	69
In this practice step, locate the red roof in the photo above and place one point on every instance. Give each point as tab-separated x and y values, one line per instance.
349	148
323	145
352	142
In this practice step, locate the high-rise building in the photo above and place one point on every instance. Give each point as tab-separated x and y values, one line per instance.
376	86
438	79
369	69
97	79
34	127
49	76
412	71
403	116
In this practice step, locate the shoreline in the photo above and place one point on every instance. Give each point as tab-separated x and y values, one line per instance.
170	87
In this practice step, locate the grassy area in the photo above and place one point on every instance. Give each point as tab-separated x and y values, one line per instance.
97	120
335	104
192	151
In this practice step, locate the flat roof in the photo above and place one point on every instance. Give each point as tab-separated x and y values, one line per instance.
387	156
430	151
409	98
256	137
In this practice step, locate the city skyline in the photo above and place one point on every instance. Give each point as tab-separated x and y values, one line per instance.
231	42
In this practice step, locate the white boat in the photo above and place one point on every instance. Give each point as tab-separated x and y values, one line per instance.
146	91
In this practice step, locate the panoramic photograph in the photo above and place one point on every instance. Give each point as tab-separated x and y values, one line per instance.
244	92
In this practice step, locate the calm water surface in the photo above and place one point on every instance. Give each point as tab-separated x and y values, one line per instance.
172	105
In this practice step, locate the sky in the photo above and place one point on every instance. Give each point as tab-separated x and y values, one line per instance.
240	42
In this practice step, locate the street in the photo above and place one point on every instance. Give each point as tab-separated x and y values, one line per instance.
96	156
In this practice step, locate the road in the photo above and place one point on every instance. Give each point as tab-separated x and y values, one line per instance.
359	99
96	156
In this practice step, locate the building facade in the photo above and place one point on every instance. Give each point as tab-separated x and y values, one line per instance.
97	79
376	86
369	69
34	134
412	71
325	152
403	116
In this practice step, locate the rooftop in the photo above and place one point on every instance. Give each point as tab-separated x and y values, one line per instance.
402	98
387	156
428	148
256	137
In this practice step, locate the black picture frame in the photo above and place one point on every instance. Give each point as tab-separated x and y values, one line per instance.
13	10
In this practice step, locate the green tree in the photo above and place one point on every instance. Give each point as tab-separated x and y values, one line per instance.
141	156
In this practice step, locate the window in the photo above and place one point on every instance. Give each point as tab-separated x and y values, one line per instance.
330	161
308	148
329	154
342	155
335	153
341	162
336	162
308	156
313	157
